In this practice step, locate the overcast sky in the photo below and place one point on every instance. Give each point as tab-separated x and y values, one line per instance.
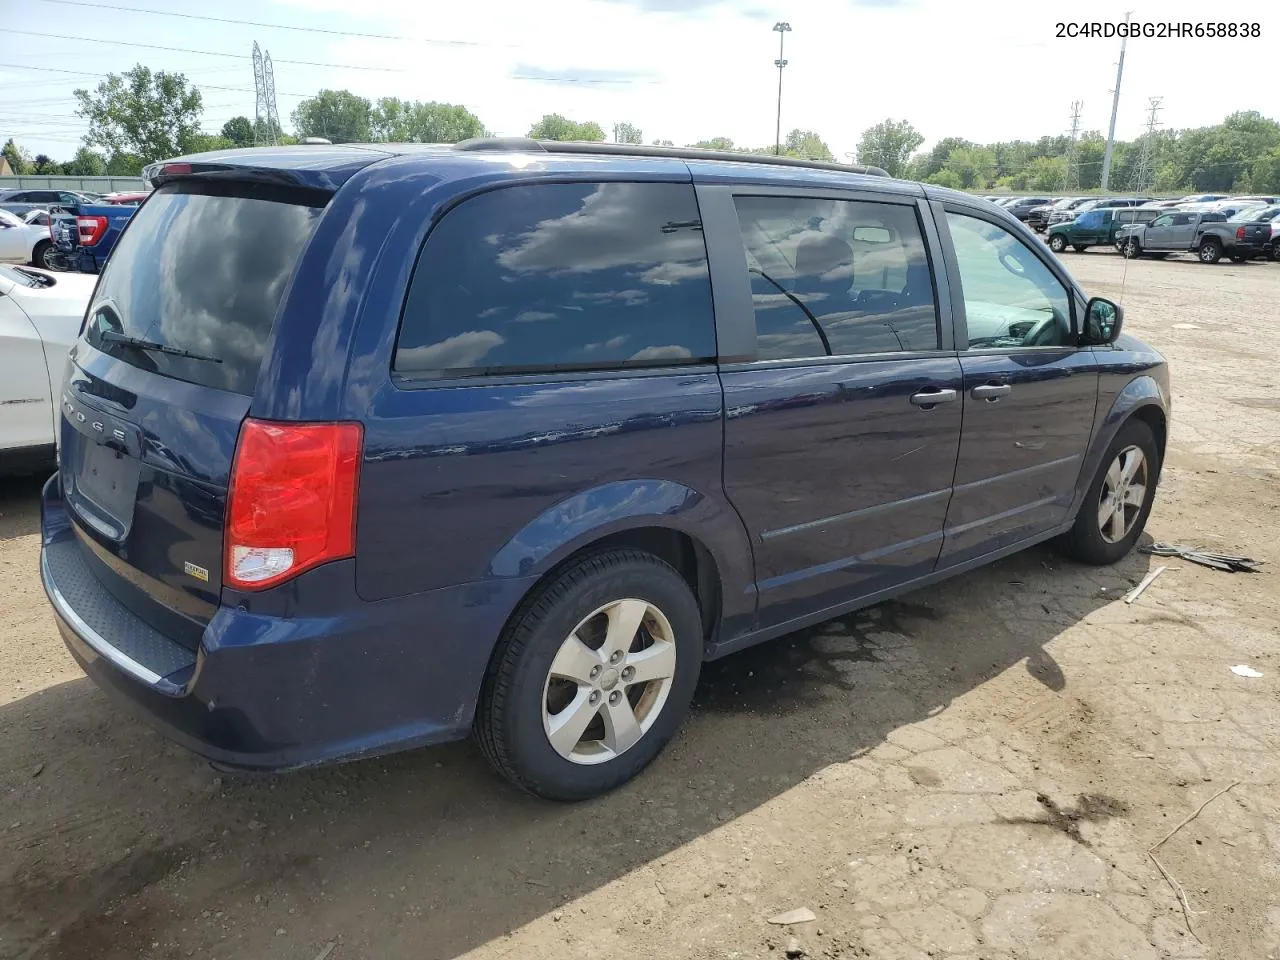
681	70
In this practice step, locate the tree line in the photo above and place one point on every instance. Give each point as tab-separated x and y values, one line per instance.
142	116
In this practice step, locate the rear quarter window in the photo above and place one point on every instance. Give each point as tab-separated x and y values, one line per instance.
202	273
568	276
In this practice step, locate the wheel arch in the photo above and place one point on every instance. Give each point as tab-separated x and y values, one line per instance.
700	536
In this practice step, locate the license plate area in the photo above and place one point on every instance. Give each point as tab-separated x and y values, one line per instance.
104	489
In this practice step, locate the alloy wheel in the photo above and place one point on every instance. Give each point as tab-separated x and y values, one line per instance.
609	681
1124	491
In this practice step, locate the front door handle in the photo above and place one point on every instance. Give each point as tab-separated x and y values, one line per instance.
932	395
991	392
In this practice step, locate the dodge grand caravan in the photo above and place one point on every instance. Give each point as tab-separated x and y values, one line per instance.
365	448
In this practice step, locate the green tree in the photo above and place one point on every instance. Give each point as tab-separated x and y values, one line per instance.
403	121
337	115
946	178
125	165
151	115
627	133
806	143
85	163
19	159
925	165
889	145
975	167
45	165
553	126
1044	174
239	130
1266	172
209	142
715	143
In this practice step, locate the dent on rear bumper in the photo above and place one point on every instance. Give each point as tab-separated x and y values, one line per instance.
276	690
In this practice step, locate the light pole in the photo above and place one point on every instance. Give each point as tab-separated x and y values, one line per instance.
782	28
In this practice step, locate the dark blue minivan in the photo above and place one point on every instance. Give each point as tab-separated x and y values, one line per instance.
368	447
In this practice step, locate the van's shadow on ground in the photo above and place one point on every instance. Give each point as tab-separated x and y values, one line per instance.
124	840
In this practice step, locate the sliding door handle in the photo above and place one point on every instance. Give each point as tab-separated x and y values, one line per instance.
932	396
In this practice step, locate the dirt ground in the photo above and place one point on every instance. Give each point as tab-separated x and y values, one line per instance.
975	772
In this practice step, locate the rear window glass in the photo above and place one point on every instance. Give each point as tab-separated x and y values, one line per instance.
202	274
567	276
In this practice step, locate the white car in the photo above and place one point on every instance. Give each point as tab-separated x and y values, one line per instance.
40	316
25	239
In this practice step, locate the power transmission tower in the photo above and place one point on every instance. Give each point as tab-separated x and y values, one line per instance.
266	120
1071	175
1144	175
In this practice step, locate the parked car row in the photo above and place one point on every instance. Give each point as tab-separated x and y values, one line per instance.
1238	228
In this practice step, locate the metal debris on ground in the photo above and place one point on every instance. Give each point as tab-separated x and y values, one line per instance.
1136	592
1215	561
1240	670
798	915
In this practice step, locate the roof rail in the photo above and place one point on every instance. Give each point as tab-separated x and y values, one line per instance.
642	150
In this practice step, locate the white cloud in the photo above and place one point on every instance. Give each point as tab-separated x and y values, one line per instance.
463	350
662	353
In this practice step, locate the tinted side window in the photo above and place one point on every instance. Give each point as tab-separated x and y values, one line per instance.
1011	298
561	276
837	277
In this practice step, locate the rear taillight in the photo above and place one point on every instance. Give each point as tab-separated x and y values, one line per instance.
1239	233
292	501
91	229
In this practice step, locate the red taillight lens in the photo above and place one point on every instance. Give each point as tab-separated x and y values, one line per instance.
1239	233
91	229
292	502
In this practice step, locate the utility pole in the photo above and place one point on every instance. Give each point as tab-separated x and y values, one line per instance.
1115	107
1144	176
782	28
1070	175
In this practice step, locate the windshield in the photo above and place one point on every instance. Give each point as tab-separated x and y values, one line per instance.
201	275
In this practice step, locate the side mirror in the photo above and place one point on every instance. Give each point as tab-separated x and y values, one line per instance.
1103	321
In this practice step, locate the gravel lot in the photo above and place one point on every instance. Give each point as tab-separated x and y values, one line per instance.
975	772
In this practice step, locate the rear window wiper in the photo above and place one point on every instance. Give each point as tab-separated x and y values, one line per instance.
111	336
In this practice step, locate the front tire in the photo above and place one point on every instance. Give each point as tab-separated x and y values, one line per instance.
593	676
1057	243
1118	501
1210	250
1131	249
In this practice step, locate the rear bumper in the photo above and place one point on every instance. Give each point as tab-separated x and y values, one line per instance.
304	675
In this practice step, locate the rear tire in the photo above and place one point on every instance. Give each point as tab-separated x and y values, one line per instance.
1210	250
1238	259
1078	248
548	670
39	256
1095	537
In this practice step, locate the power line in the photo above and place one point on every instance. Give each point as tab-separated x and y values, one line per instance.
203	53
276	26
99	76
